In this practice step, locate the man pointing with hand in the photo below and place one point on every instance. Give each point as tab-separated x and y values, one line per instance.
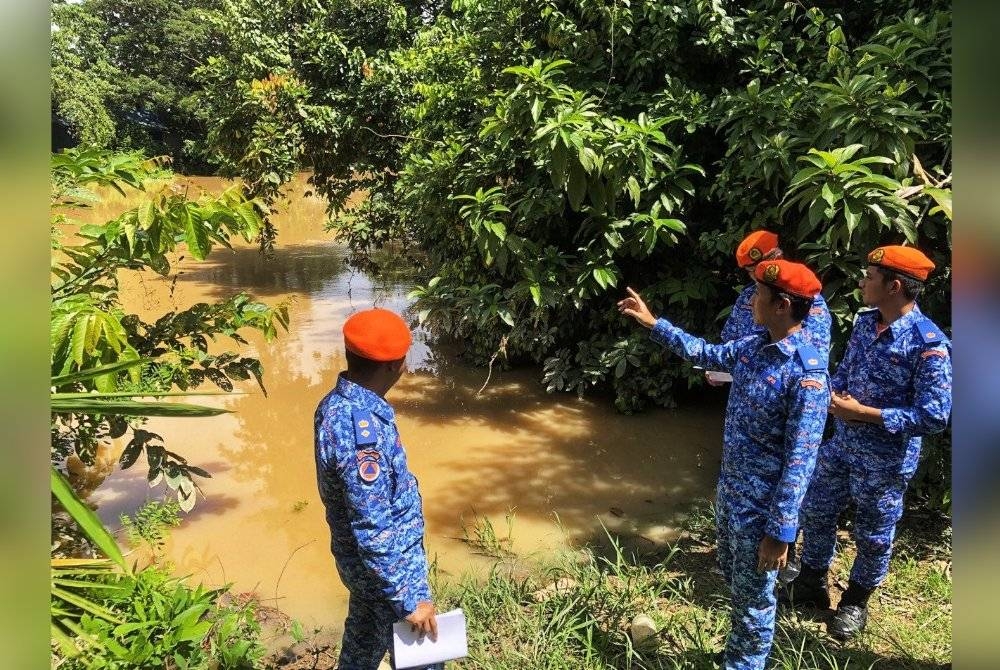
774	424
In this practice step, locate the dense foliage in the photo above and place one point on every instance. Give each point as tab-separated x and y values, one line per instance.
543	154
107	364
122	74
90	330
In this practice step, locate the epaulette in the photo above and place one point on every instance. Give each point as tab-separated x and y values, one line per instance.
364	427
929	332
811	360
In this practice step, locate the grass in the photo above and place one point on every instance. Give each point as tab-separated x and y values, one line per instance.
574	609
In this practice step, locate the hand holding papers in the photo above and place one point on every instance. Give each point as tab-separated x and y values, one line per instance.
411	650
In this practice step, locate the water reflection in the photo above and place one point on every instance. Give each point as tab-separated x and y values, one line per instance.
261	525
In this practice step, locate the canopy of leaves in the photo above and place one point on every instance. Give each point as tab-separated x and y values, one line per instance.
122	73
544	154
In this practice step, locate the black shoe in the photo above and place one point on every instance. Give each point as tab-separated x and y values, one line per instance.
788	573
806	590
848	621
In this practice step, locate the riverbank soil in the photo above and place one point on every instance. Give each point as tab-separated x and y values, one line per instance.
574	610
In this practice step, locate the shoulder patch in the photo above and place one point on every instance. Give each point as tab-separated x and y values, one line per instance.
811	360
812	383
364	427
368	466
927	353
815	311
929	332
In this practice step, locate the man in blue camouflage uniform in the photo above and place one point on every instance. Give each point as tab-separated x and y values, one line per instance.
773	427
893	386
373	506
755	247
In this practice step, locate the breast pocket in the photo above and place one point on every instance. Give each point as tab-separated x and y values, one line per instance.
765	408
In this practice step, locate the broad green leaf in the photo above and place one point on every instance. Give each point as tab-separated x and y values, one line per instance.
196	236
943	199
86	519
146	214
84	375
577	186
129	407
536	294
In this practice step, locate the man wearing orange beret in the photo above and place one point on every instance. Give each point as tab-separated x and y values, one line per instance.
774	424
758	246
892	387
373	506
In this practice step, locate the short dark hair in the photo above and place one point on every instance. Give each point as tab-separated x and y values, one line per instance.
800	306
364	366
912	288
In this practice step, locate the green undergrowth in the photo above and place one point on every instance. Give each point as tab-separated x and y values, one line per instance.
575	609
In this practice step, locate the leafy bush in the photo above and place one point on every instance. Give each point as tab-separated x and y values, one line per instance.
152	522
161	622
90	330
544	154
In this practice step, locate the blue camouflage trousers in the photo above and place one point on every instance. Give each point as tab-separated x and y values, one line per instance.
753	601
368	635
877	490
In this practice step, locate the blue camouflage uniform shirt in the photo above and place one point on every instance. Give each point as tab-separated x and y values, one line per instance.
774	422
906	372
740	321
372	502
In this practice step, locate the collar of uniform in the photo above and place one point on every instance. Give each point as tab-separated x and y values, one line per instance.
365	397
901	324
790	344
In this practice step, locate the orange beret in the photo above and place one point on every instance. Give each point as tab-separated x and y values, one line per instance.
907	260
755	246
793	278
377	334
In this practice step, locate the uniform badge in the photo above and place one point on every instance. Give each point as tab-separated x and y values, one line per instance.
811	383
771	273
930	335
876	256
933	352
369	471
813	361
368	467
754	254
363	423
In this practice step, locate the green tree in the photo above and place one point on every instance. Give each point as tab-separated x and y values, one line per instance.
543	154
122	73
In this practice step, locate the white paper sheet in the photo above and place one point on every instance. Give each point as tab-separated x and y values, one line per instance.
411	651
719	376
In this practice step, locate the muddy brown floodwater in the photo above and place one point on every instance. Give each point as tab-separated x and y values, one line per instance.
563	466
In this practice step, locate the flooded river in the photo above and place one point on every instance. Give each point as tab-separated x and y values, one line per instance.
563	466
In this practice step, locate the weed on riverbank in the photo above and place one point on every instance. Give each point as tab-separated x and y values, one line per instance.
575	610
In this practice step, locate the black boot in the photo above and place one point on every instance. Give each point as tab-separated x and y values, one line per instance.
807	590
852	613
